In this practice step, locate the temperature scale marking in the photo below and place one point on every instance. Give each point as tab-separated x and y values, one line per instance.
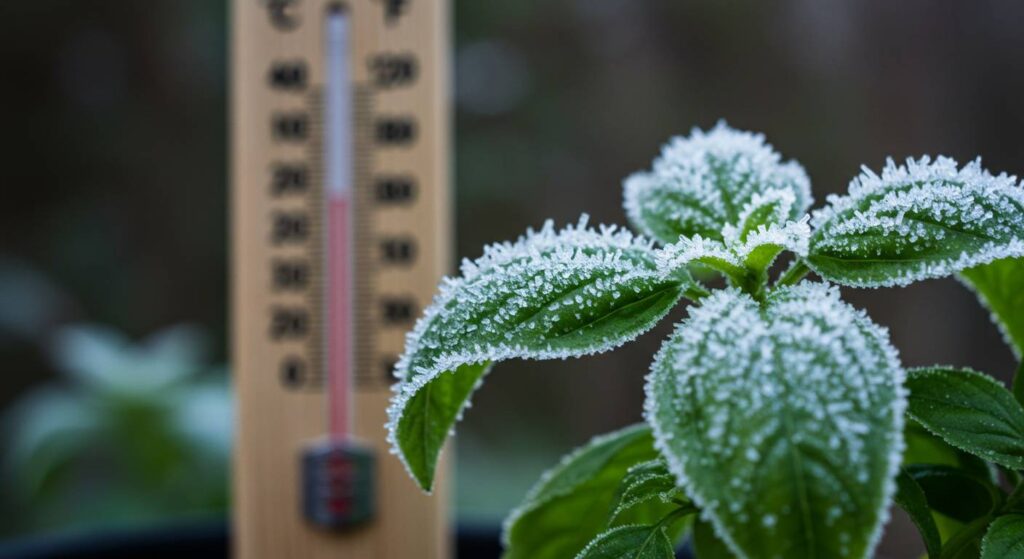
339	234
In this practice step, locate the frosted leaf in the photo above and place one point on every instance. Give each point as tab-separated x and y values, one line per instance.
761	245
701	183
676	257
773	207
783	422
630	542
924	219
552	294
643	483
569	506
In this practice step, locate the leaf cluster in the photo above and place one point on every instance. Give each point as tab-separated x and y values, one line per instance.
776	410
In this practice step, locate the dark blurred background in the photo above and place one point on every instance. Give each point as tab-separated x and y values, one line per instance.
114	214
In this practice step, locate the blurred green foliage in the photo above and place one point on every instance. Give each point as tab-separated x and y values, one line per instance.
134	432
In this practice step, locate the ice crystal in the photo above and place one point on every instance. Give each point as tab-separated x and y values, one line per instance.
551	294
923	219
706	181
783	412
772	207
757	249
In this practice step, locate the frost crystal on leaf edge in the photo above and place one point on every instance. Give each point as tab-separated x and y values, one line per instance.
684	167
565	245
928	176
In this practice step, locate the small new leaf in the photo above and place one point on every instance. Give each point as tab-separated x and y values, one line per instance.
742	261
708	180
970	411
1004	538
783	421
772	207
920	220
630	542
644	483
553	294
1000	287
910	497
570	504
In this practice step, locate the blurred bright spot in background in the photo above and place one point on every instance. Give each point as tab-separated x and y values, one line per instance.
114	217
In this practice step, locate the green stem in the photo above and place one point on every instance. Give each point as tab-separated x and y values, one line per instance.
794	274
683	510
967	536
696	292
754	283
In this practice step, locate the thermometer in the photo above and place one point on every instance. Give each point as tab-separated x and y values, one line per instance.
340	231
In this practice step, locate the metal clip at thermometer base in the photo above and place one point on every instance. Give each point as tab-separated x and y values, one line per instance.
338	484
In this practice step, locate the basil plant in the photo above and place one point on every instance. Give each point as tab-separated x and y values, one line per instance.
779	422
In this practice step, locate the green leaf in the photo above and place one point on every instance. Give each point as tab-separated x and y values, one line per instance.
910	497
553	294
1000	287
643	483
1005	538
772	208
571	503
711	179
783	421
924	448
706	544
46	431
921	220
630	542
970	411
956	493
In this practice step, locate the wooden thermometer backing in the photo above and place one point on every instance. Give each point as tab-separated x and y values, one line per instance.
400	225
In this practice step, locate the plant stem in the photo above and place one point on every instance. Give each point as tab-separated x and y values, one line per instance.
794	274
696	292
683	510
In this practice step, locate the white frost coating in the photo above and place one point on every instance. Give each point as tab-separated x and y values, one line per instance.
522	299
768	208
792	236
807	370
533	500
678	255
705	181
923	219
